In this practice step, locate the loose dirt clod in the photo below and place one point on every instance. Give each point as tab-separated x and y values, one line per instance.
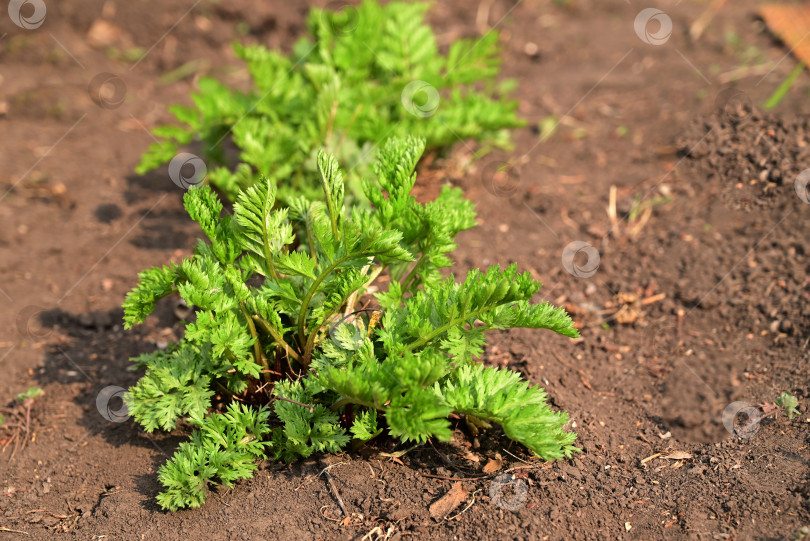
449	502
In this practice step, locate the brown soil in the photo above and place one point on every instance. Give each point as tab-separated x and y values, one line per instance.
724	268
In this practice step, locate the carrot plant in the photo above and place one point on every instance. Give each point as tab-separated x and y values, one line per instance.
365	74
316	325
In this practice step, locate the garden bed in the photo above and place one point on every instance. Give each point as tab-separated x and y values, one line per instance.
713	287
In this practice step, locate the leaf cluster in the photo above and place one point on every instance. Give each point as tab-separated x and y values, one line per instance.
278	333
346	89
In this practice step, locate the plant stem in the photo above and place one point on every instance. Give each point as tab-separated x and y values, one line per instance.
277	337
345	401
411	274
291	401
302	313
310	346
268	258
225	390
444	328
257	345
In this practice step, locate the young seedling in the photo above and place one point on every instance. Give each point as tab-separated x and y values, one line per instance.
290	356
29	395
789	403
365	74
